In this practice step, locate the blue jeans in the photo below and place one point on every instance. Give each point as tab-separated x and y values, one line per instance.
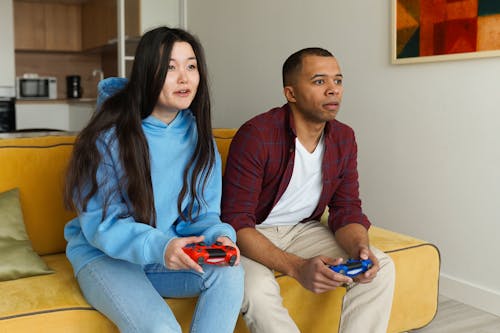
132	296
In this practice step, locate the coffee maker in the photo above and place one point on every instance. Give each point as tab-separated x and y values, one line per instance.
73	86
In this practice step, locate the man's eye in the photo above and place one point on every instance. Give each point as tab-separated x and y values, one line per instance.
338	82
319	82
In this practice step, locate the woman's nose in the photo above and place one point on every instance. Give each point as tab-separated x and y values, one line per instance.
182	77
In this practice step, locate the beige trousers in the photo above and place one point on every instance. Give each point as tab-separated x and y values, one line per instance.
365	308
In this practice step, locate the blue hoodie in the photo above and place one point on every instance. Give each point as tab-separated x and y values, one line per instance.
118	235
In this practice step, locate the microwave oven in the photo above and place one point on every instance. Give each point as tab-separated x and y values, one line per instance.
36	87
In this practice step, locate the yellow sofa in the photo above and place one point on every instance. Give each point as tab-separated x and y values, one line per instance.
53	303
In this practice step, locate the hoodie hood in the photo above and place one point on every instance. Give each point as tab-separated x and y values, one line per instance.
108	87
181	123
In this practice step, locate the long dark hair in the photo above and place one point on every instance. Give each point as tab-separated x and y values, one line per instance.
124	112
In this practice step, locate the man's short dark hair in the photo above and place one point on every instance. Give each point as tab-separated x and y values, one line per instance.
293	64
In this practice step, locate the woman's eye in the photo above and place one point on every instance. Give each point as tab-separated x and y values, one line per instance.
192	67
171	67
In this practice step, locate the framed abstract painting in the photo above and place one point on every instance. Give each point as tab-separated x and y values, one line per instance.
436	30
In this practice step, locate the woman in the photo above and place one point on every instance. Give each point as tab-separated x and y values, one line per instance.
145	179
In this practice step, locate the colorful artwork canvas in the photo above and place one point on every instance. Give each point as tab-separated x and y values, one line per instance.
432	30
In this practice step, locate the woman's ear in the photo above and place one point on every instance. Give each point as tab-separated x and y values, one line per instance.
289	94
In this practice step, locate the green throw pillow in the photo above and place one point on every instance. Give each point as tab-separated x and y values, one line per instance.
17	258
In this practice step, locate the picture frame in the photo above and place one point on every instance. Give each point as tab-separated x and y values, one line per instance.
441	30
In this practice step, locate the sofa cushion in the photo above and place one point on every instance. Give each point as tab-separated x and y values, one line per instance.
223	137
17	256
55	302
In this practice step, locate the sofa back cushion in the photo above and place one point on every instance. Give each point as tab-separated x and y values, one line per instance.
37	166
223	137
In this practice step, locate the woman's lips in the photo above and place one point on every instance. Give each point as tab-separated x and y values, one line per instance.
183	92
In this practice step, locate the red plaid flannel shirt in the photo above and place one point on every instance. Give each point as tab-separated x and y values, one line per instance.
260	164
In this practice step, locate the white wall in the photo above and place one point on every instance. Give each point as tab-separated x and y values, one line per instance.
7	63
428	134
155	13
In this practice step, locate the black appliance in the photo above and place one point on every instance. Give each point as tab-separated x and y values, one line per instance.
73	86
7	114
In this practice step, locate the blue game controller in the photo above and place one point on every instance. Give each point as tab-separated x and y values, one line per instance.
352	267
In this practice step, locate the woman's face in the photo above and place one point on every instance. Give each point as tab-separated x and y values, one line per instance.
181	83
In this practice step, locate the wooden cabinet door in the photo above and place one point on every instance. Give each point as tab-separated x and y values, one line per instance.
29	26
47	26
98	23
63	24
132	19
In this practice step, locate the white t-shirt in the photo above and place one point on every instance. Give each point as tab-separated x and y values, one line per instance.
302	194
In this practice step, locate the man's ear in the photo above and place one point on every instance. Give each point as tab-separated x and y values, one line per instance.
289	94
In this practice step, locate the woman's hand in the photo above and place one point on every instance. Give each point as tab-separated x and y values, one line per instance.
227	241
176	258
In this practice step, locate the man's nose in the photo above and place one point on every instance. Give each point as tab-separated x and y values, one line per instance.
332	90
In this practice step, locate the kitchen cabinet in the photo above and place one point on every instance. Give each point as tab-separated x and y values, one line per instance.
56	115
46	26
79	115
118	47
99	22
63	27
55	29
99	19
29	26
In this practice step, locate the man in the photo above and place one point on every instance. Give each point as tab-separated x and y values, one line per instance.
284	167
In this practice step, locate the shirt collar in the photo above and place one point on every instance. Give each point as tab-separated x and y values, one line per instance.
291	122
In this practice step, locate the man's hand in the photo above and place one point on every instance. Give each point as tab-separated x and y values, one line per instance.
176	258
353	238
315	275
369	275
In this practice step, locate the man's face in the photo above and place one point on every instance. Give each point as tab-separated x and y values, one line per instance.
317	90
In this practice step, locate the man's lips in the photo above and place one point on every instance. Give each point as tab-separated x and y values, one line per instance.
332	106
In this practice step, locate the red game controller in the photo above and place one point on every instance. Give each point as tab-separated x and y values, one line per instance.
215	254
